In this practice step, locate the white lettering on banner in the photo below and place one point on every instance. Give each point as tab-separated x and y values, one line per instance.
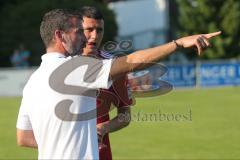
239	71
174	73
232	71
218	72
188	74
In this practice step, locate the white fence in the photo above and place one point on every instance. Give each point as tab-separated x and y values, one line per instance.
12	81
200	74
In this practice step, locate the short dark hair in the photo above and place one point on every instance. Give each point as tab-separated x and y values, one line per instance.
57	19
91	12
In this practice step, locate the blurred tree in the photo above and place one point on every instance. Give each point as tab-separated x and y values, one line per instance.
20	22
203	16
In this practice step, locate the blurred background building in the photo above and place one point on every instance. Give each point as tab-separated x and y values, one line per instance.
146	23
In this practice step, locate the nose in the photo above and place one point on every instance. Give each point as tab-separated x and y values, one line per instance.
94	34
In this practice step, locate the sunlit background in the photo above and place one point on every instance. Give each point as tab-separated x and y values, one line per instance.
205	87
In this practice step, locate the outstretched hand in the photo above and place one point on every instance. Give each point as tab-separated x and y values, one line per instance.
201	41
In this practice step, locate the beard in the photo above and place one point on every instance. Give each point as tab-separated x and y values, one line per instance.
76	49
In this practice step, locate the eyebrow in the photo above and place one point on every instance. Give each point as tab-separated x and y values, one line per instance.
79	29
92	27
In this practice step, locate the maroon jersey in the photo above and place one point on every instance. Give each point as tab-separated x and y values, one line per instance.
118	95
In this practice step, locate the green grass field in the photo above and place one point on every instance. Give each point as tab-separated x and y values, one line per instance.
206	126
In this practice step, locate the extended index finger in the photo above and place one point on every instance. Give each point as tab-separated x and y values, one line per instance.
210	35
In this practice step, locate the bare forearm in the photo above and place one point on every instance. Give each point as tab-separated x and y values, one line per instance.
144	58
30	144
120	121
116	124
25	138
141	59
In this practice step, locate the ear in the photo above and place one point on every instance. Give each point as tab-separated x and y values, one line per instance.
59	35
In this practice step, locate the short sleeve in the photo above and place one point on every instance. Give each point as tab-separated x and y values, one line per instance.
23	121
104	74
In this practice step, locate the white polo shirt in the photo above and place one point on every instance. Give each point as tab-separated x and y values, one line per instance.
57	136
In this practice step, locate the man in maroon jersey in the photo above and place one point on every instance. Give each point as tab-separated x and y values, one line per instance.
118	94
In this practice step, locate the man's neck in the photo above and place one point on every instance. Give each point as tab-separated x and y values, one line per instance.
55	49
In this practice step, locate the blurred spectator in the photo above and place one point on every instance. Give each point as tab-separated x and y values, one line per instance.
20	57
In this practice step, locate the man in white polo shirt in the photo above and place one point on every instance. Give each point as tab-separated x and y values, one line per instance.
58	109
58	137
